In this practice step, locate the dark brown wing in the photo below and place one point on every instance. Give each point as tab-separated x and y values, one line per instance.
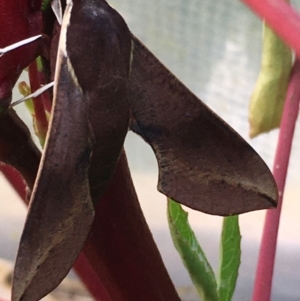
61	211
203	163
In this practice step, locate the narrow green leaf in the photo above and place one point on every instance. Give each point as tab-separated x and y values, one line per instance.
39	64
45	5
230	257
25	90
29	105
267	100
191	253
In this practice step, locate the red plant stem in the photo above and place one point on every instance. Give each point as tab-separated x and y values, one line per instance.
90	278
265	267
281	17
15	179
121	249
17	149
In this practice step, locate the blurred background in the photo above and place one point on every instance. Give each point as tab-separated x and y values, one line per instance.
214	48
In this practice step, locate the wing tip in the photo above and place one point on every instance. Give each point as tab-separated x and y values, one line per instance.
220	200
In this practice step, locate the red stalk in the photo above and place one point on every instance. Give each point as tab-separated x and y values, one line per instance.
15	179
18	150
121	249
281	17
90	278
265	267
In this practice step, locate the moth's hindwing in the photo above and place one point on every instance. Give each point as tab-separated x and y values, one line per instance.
203	163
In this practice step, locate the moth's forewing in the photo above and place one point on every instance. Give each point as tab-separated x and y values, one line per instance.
61	211
203	163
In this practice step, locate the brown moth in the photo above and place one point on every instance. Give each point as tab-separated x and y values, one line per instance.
105	82
90	92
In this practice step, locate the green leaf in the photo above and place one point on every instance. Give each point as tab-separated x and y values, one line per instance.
45	5
267	100
25	90
191	253
29	105
230	257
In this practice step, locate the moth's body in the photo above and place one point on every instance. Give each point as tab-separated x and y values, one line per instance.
99	49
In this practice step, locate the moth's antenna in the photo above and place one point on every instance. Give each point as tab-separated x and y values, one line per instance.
33	95
18	44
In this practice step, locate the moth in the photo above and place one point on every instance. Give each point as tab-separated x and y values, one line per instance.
107	82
